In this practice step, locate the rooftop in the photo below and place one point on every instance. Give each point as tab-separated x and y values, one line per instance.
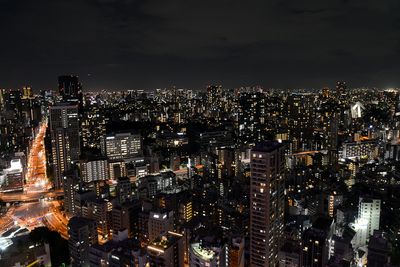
163	242
78	222
267	146
202	252
323	223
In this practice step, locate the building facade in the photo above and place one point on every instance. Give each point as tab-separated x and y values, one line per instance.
267	203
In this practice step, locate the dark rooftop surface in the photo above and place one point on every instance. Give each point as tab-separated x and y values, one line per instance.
267	146
322	223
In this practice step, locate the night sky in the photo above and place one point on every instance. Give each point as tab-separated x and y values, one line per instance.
132	44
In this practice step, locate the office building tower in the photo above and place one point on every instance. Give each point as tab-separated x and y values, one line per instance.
236	252
100	210
379	250
160	222
316	242
357	110
71	185
117	169
124	189
121	145
252	117
185	210
289	255
267	203
82	197
64	130
94	169
125	217
166	250
214	95
16	128
301	122
93	126
82	235
70	88
12	178
27	92
328	120
369	211
99	255
341	88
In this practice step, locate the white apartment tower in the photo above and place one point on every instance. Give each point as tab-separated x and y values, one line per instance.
369	210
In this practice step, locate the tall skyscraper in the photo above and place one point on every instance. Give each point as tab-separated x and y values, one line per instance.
301	114
71	185
341	88
316	243
70	88
100	210
64	130
252	116
267	203
369	210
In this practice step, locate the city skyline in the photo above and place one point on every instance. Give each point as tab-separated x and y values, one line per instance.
230	133
220	178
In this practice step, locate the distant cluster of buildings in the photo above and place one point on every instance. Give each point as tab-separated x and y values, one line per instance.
226	177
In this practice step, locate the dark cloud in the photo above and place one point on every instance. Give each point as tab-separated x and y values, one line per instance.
157	43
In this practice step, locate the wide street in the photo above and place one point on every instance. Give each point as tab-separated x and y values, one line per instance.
36	205
36	179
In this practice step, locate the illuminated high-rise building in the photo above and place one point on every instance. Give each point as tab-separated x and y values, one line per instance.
94	169
328	117
71	185
100	210
27	92
121	145
160	222
369	211
93	126
267	203
341	88
214	101
70	88
252	114
214	94
64	130
326	92
301	120
12	178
